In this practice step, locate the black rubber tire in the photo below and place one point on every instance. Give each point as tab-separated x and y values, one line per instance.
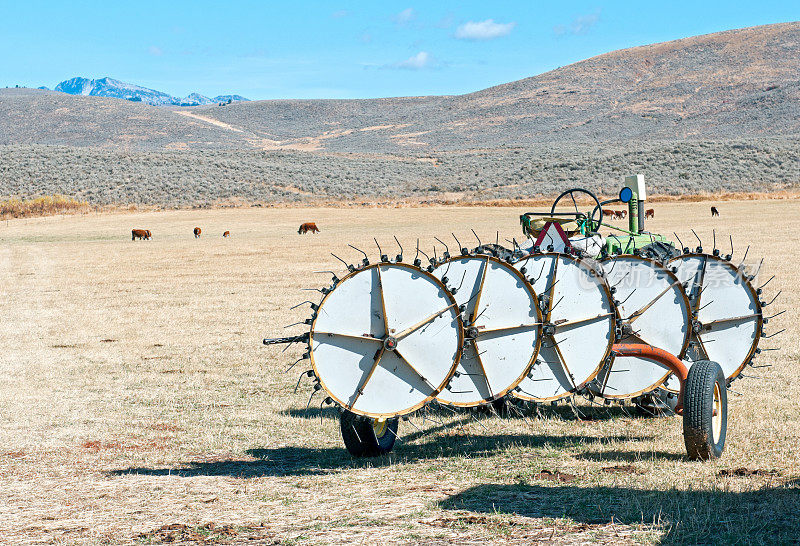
360	438
698	410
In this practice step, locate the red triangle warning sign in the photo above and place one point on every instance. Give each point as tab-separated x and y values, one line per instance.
553	234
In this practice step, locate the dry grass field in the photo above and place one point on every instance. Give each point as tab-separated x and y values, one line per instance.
138	404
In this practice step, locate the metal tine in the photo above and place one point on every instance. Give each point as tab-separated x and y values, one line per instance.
313	392
714	240
497	239
745	256
629	297
335	278
307	373
301	303
294	324
287	347
423	253
698	239
312	290
476	236
350	267
704	306
399	257
435	256
446	248
292	366
679	241
556	303
326	400
356	433
731	238
539	276
478	421
464	276
622	278
766	283
365	261
410	422
457	241
773	299
775	334
775	315
758	269
380	251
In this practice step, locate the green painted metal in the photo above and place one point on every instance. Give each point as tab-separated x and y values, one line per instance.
633	214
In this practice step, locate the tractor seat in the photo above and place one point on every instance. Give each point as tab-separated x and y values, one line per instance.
536	225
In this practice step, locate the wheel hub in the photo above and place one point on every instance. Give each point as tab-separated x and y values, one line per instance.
389	343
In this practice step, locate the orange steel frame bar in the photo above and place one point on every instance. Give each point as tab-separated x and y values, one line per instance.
657	355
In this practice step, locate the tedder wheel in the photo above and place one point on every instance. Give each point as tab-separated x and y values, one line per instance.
705	410
365	437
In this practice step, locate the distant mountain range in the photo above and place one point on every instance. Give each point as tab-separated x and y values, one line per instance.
109	87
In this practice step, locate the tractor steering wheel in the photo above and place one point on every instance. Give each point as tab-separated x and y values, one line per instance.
595	224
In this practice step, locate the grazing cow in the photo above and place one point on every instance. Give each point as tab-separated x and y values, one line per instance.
608	212
650	213
149	235
197	232
140	234
226	234
714	211
308	226
622	213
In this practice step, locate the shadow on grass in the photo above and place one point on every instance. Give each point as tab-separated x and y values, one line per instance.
299	461
767	515
564	412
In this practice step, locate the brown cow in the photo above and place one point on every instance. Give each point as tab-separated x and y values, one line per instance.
608	212
226	234
308	226
140	234
714	211
650	213
197	232
622	213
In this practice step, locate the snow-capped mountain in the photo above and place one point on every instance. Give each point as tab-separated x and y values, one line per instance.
109	87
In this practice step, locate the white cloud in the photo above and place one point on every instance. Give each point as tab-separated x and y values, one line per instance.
580	25
483	30
405	16
421	60
155	51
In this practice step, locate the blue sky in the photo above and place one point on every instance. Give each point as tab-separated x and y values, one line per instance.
266	50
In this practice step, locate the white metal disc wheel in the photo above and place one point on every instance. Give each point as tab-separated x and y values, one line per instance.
579	320
654	310
386	340
502	327
727	313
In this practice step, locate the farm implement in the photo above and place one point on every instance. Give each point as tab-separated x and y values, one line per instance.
625	317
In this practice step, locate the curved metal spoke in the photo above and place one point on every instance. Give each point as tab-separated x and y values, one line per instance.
505	328
360	389
707	325
413	369
582	321
483	370
383	303
551	289
564	363
408	331
480	291
349	336
641	311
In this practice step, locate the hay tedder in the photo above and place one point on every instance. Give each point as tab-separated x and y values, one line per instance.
626	317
